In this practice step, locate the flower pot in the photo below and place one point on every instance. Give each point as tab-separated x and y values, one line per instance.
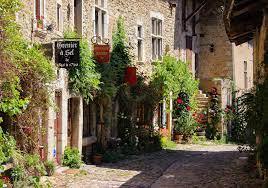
131	76
97	159
178	137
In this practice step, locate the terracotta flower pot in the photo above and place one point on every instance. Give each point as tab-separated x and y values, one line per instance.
97	159
178	137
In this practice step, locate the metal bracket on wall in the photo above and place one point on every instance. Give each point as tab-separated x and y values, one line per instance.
99	40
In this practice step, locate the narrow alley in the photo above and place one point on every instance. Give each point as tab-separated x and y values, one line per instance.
187	166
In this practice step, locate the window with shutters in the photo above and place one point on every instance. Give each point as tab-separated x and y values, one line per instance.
100	21
39	13
157	39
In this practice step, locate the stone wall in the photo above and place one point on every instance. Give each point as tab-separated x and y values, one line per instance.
241	54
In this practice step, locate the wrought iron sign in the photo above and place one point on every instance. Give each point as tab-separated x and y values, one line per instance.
101	49
67	54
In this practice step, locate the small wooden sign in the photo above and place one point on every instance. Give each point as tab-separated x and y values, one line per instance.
102	53
67	54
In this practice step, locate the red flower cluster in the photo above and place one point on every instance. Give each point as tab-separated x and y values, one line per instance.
229	109
200	118
6	179
181	102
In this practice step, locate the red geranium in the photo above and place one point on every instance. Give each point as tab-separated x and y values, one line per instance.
179	101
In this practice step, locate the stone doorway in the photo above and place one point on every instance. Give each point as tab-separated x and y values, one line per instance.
75	123
57	127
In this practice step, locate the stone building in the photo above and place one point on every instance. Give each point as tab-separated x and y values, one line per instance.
153	28
222	64
245	21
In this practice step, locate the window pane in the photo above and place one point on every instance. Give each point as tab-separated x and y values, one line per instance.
139	31
58	16
159	47
159	28
154	48
154	26
139	50
96	2
96	22
102	3
103	24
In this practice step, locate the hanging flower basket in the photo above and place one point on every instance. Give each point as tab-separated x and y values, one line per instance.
102	53
131	76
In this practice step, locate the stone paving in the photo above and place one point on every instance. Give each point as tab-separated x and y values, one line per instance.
213	166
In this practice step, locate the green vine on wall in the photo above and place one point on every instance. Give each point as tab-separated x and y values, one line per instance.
83	80
25	76
112	74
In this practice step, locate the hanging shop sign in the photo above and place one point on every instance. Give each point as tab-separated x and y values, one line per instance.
102	53
131	76
101	49
67	54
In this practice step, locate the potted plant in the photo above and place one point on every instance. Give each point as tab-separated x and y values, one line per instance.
98	154
50	167
40	22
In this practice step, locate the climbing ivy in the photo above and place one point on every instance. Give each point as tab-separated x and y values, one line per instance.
25	76
112	74
84	79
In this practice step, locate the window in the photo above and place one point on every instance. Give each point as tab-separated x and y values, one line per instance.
39	13
245	74
140	43
100	23
78	16
157	40
59	25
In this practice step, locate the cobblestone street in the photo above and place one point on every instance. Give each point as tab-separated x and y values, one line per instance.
188	166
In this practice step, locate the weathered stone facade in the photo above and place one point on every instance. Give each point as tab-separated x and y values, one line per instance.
66	125
221	63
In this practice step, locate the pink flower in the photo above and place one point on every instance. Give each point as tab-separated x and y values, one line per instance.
179	101
188	108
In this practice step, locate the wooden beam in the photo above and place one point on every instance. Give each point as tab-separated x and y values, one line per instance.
252	7
196	11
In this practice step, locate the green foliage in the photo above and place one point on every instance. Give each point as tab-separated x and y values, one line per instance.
215	114
72	158
50	167
174	76
249	116
34	165
185	124
166	143
18	173
112	74
11	102
7	147
25	75
83	80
